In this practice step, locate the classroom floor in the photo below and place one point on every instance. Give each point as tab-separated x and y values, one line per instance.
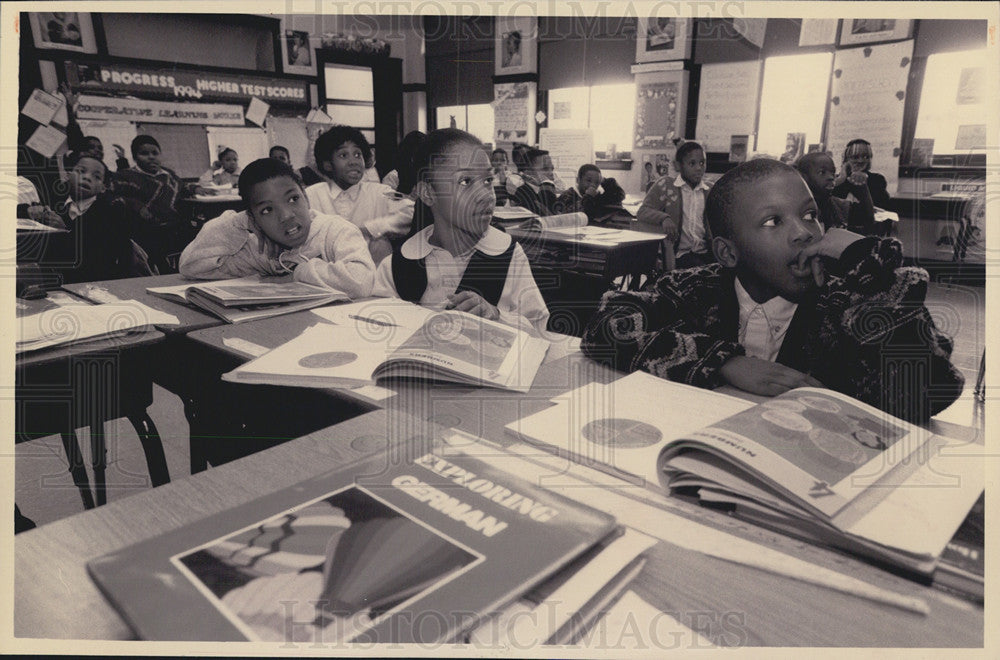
45	492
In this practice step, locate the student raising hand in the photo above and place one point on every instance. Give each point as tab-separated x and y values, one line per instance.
763	376
473	303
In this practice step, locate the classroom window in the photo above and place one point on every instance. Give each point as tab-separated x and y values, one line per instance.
953	103
350	95
476	119
793	100
607	110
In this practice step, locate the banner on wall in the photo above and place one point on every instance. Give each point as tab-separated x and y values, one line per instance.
159	112
866	101
179	84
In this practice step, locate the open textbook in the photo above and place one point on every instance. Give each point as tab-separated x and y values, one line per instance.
69	324
392	338
249	298
413	551
811	462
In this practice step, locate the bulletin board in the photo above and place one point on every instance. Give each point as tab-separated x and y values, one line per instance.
290	133
569	148
513	112
182	147
867	97
727	103
249	143
111	133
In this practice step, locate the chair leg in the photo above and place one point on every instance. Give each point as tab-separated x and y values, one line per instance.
152	446
75	457
99	461
980	391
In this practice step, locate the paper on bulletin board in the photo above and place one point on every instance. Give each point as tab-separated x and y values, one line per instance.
569	148
257	111
727	103
46	140
42	106
513	109
866	101
656	108
818	31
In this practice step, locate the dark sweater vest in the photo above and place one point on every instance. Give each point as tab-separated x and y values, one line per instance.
484	274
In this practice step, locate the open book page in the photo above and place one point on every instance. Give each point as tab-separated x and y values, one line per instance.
73	323
622	426
377	312
812	444
485	351
512	213
244	290
27	224
561	220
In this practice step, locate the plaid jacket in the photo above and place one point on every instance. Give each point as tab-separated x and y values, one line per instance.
865	333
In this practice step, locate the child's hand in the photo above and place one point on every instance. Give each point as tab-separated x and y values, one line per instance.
265	245
858	179
832	245
473	303
667	225
46	216
68	94
763	376
119	150
146	215
591	191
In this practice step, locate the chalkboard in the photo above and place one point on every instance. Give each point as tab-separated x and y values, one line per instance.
727	103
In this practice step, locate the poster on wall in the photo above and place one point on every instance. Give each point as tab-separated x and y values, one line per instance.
727	103
872	30
516	40
63	30
659	39
657	165
656	109
867	97
513	110
569	148
297	54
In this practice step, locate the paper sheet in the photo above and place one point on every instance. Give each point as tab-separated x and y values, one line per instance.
46	141
42	106
257	111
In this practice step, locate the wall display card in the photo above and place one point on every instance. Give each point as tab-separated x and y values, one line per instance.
727	103
46	141
818	31
513	107
42	106
738	148
866	101
257	111
656	111
569	148
970	136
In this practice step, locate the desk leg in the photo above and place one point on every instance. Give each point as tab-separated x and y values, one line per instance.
152	446
99	461
75	457
196	436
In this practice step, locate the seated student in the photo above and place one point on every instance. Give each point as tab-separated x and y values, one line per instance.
403	161
458	260
858	161
279	152
225	172
97	245
150	192
518	156
818	171
677	208
588	182
277	234
343	152
538	192
768	317
498	160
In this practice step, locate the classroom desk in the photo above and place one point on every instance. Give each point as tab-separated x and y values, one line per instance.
200	209
623	253
729	604
62	388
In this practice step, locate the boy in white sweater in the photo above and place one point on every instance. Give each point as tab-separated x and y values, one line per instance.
279	234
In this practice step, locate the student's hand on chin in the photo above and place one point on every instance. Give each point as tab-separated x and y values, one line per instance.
473	303
858	178
265	245
763	376
832	245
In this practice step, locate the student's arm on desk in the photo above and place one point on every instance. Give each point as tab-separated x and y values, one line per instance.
669	330
521	304
652	212
225	248
348	264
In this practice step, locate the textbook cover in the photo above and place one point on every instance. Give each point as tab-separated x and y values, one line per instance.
416	551
449	346
810	462
248	298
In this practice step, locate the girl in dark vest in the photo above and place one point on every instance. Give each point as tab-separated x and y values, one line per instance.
455	259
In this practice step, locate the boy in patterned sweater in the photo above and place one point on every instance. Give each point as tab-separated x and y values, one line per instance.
769	316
